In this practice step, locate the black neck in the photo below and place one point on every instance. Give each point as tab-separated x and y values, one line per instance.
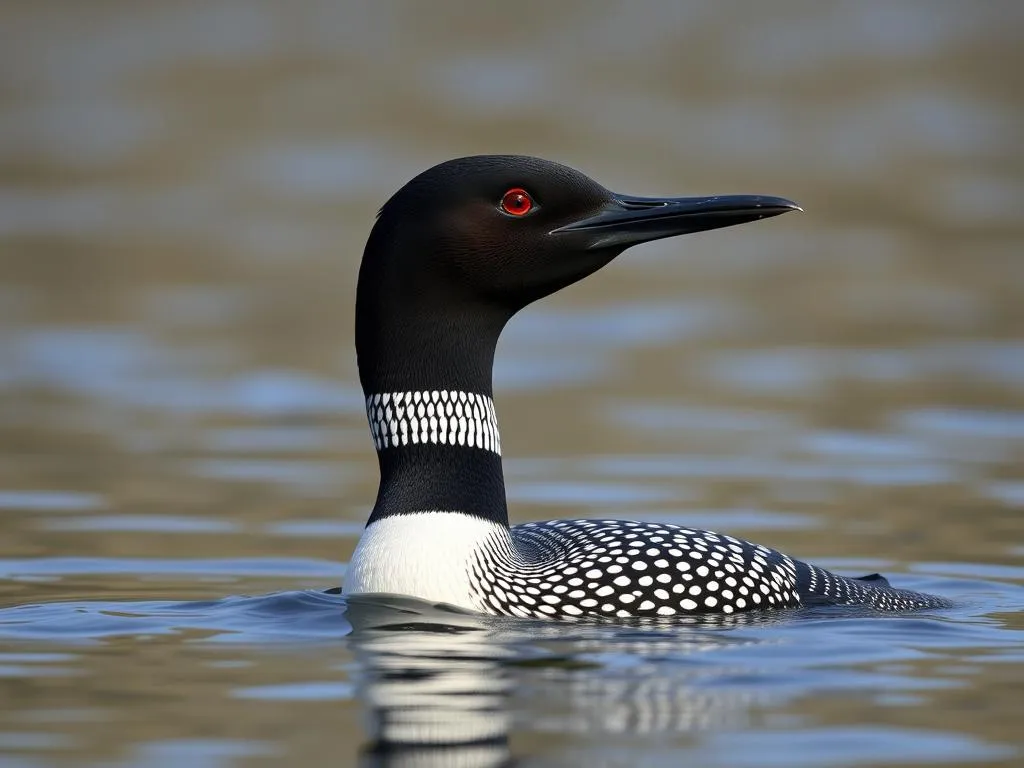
413	336
423	478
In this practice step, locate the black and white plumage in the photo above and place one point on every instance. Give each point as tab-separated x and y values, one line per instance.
625	568
598	568
453	256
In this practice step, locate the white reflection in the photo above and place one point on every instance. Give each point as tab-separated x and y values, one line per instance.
444	688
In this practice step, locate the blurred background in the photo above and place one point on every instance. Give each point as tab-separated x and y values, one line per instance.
185	190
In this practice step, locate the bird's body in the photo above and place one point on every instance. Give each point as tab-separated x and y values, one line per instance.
453	256
609	568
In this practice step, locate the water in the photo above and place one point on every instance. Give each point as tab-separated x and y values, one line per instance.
184	461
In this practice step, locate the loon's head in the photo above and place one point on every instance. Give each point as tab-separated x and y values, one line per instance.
468	243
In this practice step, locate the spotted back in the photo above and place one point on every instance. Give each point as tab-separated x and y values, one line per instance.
620	569
623	569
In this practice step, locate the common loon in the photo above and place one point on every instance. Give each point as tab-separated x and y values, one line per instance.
453	255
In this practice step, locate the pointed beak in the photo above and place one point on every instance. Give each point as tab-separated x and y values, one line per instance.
626	221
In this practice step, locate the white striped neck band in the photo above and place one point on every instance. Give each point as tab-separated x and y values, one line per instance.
437	417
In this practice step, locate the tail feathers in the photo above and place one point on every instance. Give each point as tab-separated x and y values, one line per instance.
874	579
816	586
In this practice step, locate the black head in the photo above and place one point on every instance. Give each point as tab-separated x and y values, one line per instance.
476	239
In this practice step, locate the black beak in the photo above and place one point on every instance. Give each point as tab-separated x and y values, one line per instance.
626	221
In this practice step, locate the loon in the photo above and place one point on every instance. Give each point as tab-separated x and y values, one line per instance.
452	256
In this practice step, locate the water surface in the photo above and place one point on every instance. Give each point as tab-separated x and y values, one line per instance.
184	461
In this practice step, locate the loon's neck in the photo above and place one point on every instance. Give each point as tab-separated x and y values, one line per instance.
429	404
437	450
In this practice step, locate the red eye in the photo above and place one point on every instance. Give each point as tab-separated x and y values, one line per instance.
517	202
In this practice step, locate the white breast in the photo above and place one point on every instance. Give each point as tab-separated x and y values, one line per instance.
427	555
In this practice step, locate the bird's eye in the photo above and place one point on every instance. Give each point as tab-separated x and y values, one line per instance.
517	202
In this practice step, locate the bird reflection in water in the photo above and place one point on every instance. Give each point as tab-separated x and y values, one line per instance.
440	687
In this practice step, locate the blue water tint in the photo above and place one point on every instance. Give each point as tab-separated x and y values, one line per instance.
149	523
281	617
798	370
308	475
526	358
988	424
27	740
315	691
787	370
330	171
1008	492
50	501
873	445
201	753
976	570
733	519
270	566
623	325
522	371
420	669
314	528
32	665
129	368
844	746
590	494
675	418
883	473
